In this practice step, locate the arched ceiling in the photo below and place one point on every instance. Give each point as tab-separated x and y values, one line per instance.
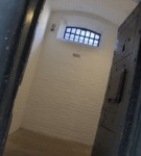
115	11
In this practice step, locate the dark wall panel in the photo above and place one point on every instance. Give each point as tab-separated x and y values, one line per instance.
117	124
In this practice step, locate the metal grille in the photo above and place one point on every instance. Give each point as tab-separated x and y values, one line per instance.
82	36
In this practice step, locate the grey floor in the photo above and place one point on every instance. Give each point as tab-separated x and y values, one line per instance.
27	143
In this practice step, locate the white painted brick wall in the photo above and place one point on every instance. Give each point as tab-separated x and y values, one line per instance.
67	93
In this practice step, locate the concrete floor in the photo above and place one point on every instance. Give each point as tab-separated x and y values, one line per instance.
27	143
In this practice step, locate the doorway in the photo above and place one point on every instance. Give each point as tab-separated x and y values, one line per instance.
59	101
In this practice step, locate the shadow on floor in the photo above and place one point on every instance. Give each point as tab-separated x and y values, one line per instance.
27	143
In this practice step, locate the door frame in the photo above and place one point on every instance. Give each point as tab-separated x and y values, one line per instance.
14	69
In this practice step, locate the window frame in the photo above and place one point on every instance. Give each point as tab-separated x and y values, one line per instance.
82	36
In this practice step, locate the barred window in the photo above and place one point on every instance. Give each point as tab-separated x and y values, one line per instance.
82	36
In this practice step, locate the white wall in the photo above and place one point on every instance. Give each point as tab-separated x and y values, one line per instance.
67	93
23	92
